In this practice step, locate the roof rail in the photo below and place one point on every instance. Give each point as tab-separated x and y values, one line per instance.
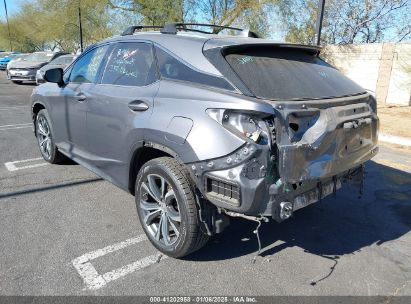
131	29
173	28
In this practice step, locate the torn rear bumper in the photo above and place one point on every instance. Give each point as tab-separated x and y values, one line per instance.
338	139
313	152
263	196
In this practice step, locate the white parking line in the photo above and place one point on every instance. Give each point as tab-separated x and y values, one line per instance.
93	280
11	166
16	126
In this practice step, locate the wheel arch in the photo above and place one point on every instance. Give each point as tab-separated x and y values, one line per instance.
143	154
35	109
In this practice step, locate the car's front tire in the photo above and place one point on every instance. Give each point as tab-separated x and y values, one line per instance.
167	208
45	139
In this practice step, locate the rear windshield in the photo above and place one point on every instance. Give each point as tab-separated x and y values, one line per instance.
279	74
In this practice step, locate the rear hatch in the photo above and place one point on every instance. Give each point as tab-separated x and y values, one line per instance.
325	123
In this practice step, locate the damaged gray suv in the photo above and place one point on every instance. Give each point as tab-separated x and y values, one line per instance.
201	127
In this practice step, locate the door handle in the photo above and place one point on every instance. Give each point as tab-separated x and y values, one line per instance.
80	97
138	105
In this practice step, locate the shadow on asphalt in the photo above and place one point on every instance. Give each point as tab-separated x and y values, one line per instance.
334	227
50	187
29	84
67	162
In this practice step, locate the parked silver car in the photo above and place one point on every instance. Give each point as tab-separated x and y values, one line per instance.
16	58
26	69
60	62
200	127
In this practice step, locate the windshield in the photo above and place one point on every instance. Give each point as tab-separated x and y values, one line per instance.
39	57
20	56
290	74
62	60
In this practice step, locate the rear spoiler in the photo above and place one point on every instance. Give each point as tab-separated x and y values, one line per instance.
229	49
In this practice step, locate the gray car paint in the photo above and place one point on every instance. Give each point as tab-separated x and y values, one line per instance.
102	133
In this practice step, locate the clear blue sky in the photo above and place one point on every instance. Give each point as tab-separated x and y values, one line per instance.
12	6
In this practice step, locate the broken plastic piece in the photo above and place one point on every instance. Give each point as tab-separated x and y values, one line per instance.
255	136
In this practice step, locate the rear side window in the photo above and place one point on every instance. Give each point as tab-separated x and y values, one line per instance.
289	74
172	68
86	68
131	64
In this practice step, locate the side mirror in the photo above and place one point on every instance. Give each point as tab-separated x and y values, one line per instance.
55	76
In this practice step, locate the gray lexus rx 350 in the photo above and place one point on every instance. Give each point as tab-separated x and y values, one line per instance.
201	127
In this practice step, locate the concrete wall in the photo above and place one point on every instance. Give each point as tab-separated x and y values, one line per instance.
383	68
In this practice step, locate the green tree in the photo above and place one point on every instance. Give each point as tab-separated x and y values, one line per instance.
250	14
53	24
157	12
347	21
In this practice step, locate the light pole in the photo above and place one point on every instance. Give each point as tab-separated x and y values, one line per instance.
320	15
8	26
80	28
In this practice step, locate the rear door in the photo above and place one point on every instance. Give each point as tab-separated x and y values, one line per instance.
120	105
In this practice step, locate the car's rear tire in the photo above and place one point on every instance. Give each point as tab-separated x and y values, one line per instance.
167	208
45	139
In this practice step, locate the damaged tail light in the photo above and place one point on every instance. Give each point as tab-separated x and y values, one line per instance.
250	126
300	122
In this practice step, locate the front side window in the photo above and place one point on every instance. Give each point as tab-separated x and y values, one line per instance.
130	64
86	68
172	68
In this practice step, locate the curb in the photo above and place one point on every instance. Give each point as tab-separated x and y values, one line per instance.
398	140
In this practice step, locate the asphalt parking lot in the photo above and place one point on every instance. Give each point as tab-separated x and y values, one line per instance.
64	231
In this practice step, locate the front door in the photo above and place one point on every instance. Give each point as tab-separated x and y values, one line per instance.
74	103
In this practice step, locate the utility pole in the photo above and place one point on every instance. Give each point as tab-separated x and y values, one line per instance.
8	26
80	28
320	15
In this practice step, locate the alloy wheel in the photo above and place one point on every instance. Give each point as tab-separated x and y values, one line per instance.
160	209
44	136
